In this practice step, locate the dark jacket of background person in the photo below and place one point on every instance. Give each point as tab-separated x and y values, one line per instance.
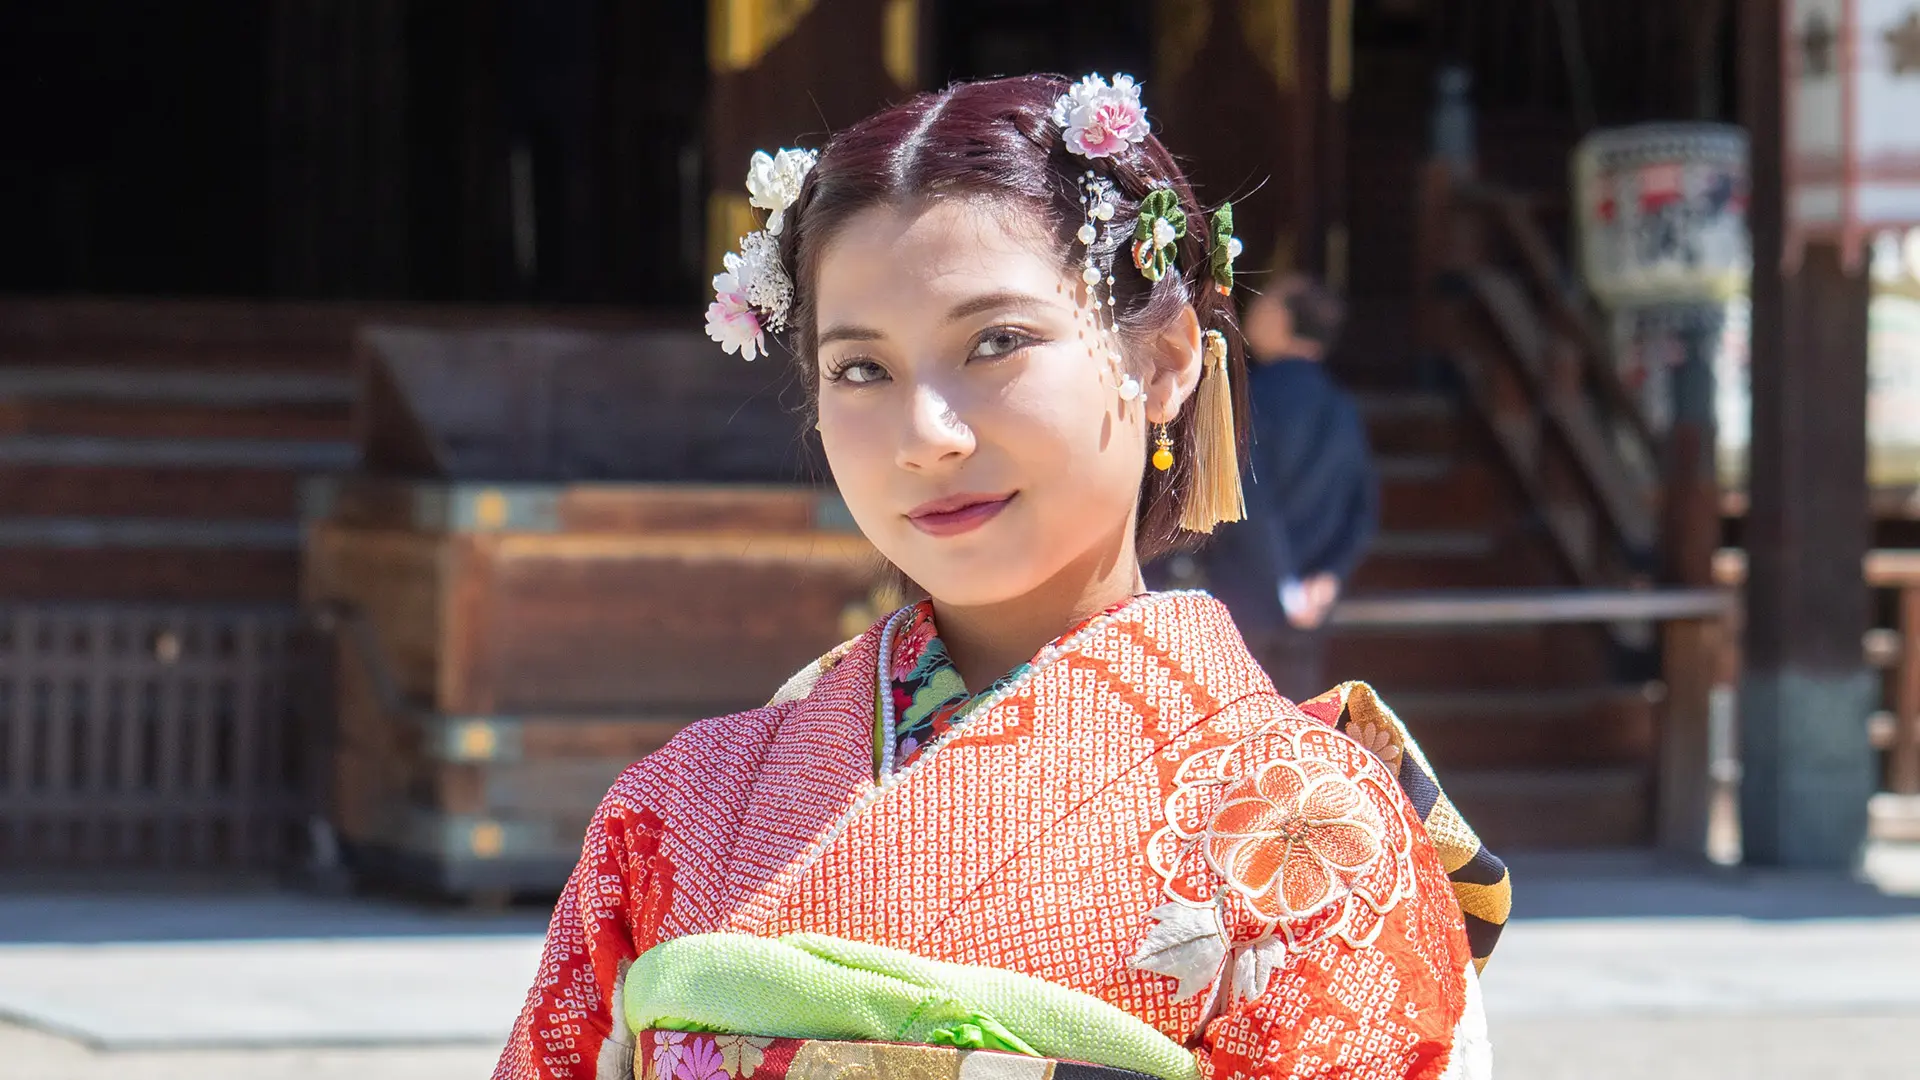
1312	497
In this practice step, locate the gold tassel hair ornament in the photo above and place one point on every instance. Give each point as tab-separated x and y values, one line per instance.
1216	496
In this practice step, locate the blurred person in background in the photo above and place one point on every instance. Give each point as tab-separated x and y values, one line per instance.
1312	499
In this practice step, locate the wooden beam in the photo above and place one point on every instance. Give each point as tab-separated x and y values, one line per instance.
1532	606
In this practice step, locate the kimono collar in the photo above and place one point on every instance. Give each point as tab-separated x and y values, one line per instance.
927	694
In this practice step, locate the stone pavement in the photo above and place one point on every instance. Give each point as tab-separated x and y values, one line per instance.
1612	967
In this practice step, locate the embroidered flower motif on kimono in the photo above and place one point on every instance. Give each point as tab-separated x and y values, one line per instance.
1273	844
1282	839
1102	120
773	182
700	1059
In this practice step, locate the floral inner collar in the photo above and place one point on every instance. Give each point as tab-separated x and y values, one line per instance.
927	695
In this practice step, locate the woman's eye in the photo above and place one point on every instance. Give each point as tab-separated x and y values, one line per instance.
858	372
999	342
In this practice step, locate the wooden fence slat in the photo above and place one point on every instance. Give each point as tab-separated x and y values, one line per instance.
143	735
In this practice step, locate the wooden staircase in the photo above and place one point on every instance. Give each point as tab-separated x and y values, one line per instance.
153	451
1546	733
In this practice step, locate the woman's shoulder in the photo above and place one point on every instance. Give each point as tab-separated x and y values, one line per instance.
700	757
1347	748
1284	835
709	759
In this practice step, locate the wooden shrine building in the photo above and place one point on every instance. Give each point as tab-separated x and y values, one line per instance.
376	322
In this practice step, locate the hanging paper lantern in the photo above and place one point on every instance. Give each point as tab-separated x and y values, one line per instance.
1663	214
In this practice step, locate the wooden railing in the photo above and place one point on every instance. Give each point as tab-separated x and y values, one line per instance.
1696	625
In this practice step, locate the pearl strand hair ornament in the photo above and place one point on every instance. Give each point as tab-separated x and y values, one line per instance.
1097	204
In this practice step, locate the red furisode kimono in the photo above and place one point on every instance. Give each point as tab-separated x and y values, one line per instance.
1135	815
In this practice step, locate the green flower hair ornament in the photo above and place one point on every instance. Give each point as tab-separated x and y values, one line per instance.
1226	248
1161	223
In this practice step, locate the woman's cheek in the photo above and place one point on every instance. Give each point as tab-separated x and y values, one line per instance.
853	460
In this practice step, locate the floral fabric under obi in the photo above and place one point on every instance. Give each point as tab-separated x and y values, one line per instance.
676	1055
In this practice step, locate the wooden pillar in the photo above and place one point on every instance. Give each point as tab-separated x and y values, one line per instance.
1253	92
1903	772
788	73
1690	534
1806	692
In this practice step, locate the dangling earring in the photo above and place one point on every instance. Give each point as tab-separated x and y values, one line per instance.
1163	450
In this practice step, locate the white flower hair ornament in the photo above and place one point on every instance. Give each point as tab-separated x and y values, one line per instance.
753	294
773	182
1100	120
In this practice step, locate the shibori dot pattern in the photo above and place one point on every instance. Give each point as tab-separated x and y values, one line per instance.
1022	842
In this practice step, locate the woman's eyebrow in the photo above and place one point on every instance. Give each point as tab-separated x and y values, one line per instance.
848	333
994	301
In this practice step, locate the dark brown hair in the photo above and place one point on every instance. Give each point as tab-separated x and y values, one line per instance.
996	139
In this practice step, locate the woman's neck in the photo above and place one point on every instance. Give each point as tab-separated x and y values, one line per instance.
987	641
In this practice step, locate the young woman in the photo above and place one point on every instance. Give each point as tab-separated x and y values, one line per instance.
1044	823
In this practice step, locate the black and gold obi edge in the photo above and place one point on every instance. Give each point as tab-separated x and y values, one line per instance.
1481	883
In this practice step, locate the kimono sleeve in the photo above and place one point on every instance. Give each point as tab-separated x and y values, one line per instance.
1342	951
1374	1012
571	1027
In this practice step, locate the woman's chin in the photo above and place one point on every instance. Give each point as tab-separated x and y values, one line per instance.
976	586
974	575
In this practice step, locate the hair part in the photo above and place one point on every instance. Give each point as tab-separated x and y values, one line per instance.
996	139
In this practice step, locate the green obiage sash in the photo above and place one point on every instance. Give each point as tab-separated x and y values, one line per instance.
811	986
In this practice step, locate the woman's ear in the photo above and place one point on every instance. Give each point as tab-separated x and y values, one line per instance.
1176	367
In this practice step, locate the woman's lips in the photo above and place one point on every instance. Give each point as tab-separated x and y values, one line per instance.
958	514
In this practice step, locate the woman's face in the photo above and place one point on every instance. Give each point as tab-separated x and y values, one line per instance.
966	402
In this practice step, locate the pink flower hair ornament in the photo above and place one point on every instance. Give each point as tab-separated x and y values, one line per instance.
1100	120
753	294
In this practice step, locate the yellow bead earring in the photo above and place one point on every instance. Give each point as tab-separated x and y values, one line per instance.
1163	450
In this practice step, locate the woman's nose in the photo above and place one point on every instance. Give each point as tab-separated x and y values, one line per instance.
935	434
